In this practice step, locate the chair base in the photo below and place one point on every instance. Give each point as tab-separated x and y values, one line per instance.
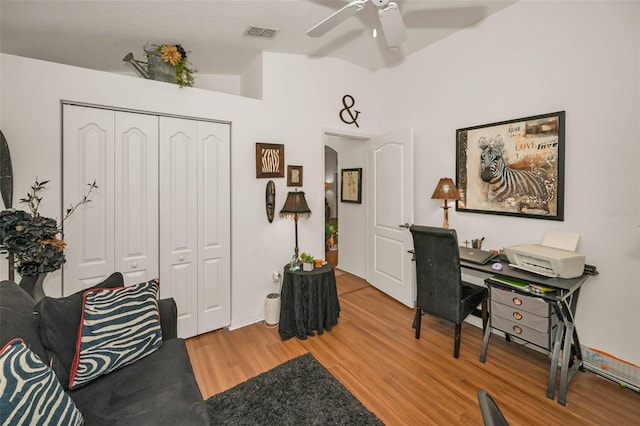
417	323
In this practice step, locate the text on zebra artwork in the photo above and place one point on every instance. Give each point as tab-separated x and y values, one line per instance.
269	160
513	167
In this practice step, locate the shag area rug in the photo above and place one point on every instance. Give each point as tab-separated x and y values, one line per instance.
299	392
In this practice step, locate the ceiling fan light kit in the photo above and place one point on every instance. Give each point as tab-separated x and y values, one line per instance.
388	13
392	25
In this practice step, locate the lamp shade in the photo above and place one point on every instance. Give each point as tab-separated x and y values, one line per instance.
295	206
445	190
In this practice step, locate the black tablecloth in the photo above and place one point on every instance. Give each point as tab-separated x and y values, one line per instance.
309	302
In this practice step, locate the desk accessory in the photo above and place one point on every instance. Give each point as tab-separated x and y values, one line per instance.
445	190
295	207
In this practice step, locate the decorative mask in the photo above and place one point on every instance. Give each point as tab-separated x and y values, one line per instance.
270	200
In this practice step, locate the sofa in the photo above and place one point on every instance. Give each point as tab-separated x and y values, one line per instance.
158	389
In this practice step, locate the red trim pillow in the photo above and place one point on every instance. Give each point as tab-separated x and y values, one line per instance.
118	327
58	320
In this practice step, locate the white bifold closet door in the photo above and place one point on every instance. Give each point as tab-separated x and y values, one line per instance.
118	229
195	222
162	208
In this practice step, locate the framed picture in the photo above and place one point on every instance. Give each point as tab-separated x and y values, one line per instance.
351	186
269	160
294	175
513	168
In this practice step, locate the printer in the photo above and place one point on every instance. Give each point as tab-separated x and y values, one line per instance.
555	257
546	260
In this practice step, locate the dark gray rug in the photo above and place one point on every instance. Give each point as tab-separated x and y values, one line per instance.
299	392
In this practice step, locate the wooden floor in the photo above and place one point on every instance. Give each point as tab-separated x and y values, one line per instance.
373	352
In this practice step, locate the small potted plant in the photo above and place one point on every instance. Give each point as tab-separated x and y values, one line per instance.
307	261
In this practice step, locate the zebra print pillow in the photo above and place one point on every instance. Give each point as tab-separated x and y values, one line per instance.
118	327
30	392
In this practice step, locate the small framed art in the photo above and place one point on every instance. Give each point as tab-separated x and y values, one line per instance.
294	175
351	186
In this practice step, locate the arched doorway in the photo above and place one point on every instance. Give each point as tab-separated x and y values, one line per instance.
331	205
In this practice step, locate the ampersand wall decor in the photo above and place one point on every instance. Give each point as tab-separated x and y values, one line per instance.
349	102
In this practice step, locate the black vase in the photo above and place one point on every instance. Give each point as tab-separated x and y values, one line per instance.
33	284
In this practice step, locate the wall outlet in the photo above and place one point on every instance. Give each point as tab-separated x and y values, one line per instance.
275	276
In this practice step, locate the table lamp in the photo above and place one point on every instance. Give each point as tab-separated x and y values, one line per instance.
445	190
295	207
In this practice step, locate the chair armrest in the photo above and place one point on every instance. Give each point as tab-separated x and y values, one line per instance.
168	318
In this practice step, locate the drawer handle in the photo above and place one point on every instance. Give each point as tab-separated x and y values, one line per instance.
517	315
134	265
181	258
517	301
517	329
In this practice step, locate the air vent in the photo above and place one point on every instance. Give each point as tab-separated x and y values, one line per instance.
254	31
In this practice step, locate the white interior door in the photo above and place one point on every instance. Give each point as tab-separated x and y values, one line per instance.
179	219
88	156
214	219
390	208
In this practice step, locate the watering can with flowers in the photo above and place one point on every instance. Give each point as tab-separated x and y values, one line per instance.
165	62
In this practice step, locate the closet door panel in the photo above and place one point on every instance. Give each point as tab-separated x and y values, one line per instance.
179	219
136	197
214	298
88	143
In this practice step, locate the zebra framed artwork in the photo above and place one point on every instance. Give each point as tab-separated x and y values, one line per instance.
269	160
513	168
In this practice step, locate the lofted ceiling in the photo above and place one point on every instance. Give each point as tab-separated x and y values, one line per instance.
97	34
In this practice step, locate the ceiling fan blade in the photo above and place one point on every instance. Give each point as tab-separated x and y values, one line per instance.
392	25
349	10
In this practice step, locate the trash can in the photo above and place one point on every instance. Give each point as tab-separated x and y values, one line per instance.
272	309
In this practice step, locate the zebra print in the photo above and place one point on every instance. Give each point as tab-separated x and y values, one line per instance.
505	182
30	393
118	327
270	160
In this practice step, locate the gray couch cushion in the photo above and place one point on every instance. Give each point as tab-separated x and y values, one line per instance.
58	320
159	389
17	319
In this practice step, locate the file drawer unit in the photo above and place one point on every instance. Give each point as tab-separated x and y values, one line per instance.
545	320
526	317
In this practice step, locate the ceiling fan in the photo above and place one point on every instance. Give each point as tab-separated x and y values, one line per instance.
388	13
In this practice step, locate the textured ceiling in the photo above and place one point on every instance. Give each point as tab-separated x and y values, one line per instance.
97	34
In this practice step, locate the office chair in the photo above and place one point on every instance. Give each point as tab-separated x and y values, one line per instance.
440	289
491	414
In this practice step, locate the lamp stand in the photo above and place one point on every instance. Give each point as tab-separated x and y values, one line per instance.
295	219
445	224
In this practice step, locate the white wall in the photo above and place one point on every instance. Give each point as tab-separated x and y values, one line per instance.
297	105
352	153
294	110
533	58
